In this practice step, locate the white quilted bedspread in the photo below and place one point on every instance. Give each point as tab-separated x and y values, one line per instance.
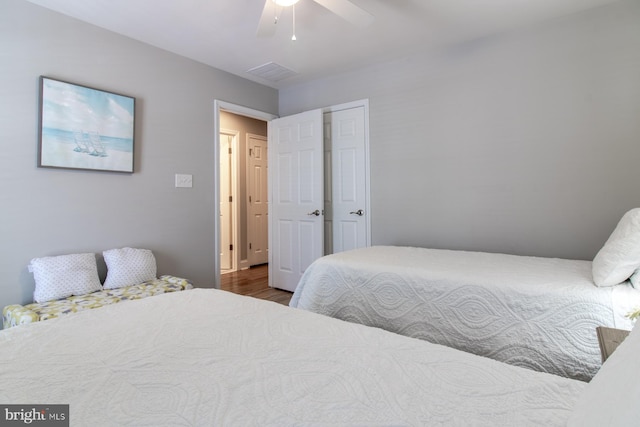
212	358
539	313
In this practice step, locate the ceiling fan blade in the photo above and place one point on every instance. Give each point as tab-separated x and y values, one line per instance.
267	24
348	11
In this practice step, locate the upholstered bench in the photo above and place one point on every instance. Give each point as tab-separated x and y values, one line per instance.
17	314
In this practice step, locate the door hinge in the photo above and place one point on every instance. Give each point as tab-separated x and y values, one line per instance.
249	245
229	150
250	152
230	199
230	247
249	198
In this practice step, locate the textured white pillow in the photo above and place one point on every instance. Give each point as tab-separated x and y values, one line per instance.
620	255
63	276
128	266
612	396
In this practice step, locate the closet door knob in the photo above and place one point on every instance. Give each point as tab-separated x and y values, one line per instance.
316	213
359	212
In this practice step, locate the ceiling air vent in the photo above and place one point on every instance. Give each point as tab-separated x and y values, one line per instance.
272	72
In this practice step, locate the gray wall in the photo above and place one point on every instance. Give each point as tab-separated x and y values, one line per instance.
51	211
526	142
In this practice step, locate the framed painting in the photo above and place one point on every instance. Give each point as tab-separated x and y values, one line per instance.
85	128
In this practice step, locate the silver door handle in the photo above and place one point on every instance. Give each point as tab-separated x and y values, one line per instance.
316	212
359	212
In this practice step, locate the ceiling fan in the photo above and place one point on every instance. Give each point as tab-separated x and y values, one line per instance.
343	8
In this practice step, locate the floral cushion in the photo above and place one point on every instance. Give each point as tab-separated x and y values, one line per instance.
16	314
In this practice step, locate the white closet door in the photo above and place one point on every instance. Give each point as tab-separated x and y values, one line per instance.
348	194
296	202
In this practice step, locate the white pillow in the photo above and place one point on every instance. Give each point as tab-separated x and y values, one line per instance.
635	279
128	266
612	396
63	276
620	255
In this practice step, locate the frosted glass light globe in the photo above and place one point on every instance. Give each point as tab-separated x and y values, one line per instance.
285	2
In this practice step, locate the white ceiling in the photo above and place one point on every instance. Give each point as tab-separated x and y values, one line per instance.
222	33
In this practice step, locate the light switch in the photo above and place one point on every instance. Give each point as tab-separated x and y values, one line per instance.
184	180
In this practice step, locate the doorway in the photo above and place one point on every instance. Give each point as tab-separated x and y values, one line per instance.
221	107
228	120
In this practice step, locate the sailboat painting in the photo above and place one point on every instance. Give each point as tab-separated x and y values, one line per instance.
85	128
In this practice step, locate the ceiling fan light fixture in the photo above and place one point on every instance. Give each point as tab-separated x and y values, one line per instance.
285	3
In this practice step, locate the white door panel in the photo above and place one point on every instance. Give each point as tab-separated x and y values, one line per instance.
310	241
295	173
285	247
348	235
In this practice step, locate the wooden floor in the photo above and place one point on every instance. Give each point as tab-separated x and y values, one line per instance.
254	282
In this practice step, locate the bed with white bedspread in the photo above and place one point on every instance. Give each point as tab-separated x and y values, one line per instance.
539	313
209	357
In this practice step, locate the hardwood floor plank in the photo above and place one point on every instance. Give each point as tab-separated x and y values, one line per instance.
254	282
